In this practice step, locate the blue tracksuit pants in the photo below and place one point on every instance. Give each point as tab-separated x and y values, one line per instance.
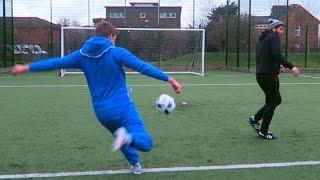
132	122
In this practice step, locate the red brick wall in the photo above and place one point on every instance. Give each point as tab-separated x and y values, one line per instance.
300	16
40	36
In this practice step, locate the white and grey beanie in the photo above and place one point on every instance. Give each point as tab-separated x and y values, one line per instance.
272	23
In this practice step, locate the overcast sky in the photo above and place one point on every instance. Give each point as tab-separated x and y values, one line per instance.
78	9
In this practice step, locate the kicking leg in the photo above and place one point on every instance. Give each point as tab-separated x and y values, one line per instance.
135	137
140	138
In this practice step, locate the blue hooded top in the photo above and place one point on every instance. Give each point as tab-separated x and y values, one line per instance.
102	64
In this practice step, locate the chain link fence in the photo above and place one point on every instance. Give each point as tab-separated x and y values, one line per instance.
6	33
300	44
30	30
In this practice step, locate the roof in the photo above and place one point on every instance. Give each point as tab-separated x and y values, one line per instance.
280	11
260	19
32	22
143	4
144	1
150	2
143	7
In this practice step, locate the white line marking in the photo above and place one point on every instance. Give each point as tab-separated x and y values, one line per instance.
146	85
130	76
28	77
158	170
57	77
44	86
313	77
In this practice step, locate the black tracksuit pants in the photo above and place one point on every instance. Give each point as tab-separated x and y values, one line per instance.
270	86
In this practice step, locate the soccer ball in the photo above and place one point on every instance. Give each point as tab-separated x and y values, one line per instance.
165	104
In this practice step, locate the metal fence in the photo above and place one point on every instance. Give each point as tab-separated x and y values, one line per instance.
6	33
30	30
246	20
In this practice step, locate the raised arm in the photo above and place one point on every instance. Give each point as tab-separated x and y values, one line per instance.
129	60
69	61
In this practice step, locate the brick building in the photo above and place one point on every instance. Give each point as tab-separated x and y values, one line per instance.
33	30
299	19
143	15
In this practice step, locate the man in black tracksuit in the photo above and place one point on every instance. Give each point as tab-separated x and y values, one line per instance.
269	63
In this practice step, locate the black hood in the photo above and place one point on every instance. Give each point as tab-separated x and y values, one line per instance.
264	34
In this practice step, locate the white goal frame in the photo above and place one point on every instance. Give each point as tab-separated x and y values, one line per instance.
63	72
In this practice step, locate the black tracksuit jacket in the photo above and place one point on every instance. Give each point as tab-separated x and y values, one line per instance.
268	54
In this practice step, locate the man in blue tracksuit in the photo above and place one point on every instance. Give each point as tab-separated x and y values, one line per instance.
102	63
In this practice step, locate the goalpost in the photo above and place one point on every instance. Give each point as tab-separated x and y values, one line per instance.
174	51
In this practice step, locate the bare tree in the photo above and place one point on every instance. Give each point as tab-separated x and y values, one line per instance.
66	22
75	23
205	8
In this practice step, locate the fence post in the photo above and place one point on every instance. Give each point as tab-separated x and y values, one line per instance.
287	29
51	30
12	35
249	38
88	13
238	35
125	13
4	38
306	47
157	12
227	32
193	13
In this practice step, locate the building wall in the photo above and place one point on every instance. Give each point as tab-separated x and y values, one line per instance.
298	16
40	36
134	20
301	17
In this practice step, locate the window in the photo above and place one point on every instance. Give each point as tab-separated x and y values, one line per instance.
297	32
117	15
168	15
142	15
173	15
162	15
260	26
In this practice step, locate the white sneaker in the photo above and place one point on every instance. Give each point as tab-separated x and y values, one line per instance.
136	169
122	138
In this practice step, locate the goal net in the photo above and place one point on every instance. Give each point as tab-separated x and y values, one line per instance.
172	50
